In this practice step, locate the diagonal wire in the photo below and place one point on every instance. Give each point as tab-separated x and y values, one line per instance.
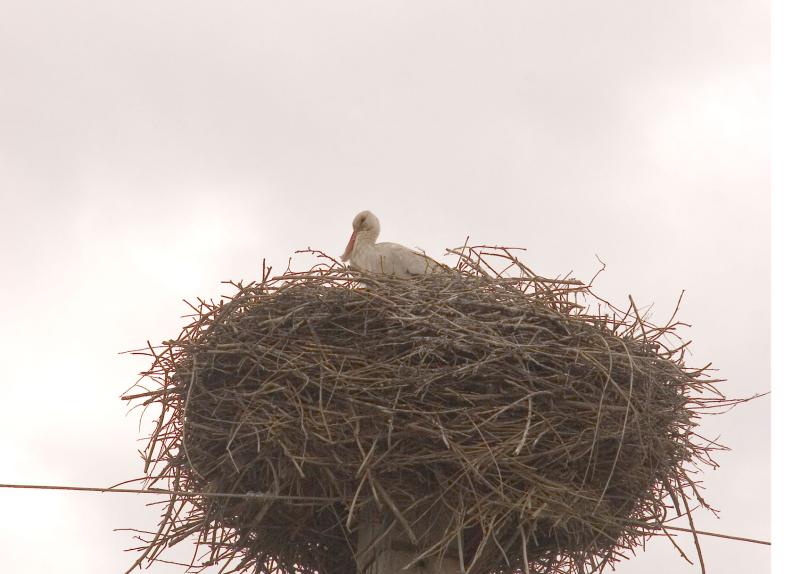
258	495
300	499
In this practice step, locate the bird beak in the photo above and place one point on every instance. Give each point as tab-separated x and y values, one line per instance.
349	249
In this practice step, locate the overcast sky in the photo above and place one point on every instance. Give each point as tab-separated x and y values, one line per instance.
150	150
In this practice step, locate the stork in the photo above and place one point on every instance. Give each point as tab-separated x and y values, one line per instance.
384	258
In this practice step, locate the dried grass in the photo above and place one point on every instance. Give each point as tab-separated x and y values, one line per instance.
545	436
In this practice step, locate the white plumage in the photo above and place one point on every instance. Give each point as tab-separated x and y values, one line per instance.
387	258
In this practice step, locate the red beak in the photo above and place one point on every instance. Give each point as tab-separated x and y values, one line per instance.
349	249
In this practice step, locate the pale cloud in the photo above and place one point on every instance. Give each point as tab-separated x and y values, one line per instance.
149	151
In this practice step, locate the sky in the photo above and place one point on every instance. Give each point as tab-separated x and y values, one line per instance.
151	150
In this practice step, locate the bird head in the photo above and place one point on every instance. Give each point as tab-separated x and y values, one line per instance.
365	227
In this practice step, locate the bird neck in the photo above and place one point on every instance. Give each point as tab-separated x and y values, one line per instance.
367	237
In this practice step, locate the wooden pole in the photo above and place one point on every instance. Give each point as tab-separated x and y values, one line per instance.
380	552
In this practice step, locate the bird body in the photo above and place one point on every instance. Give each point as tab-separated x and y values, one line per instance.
364	254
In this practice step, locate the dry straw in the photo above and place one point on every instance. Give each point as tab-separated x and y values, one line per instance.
518	423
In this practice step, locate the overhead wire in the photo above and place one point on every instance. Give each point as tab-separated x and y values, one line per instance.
317	499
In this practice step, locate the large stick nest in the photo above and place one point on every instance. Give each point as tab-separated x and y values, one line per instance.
536	434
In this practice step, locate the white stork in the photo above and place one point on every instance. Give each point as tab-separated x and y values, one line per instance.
387	258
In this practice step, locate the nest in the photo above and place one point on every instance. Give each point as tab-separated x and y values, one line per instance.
534	434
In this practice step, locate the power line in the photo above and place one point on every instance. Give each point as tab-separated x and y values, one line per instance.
267	495
262	495
703	532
